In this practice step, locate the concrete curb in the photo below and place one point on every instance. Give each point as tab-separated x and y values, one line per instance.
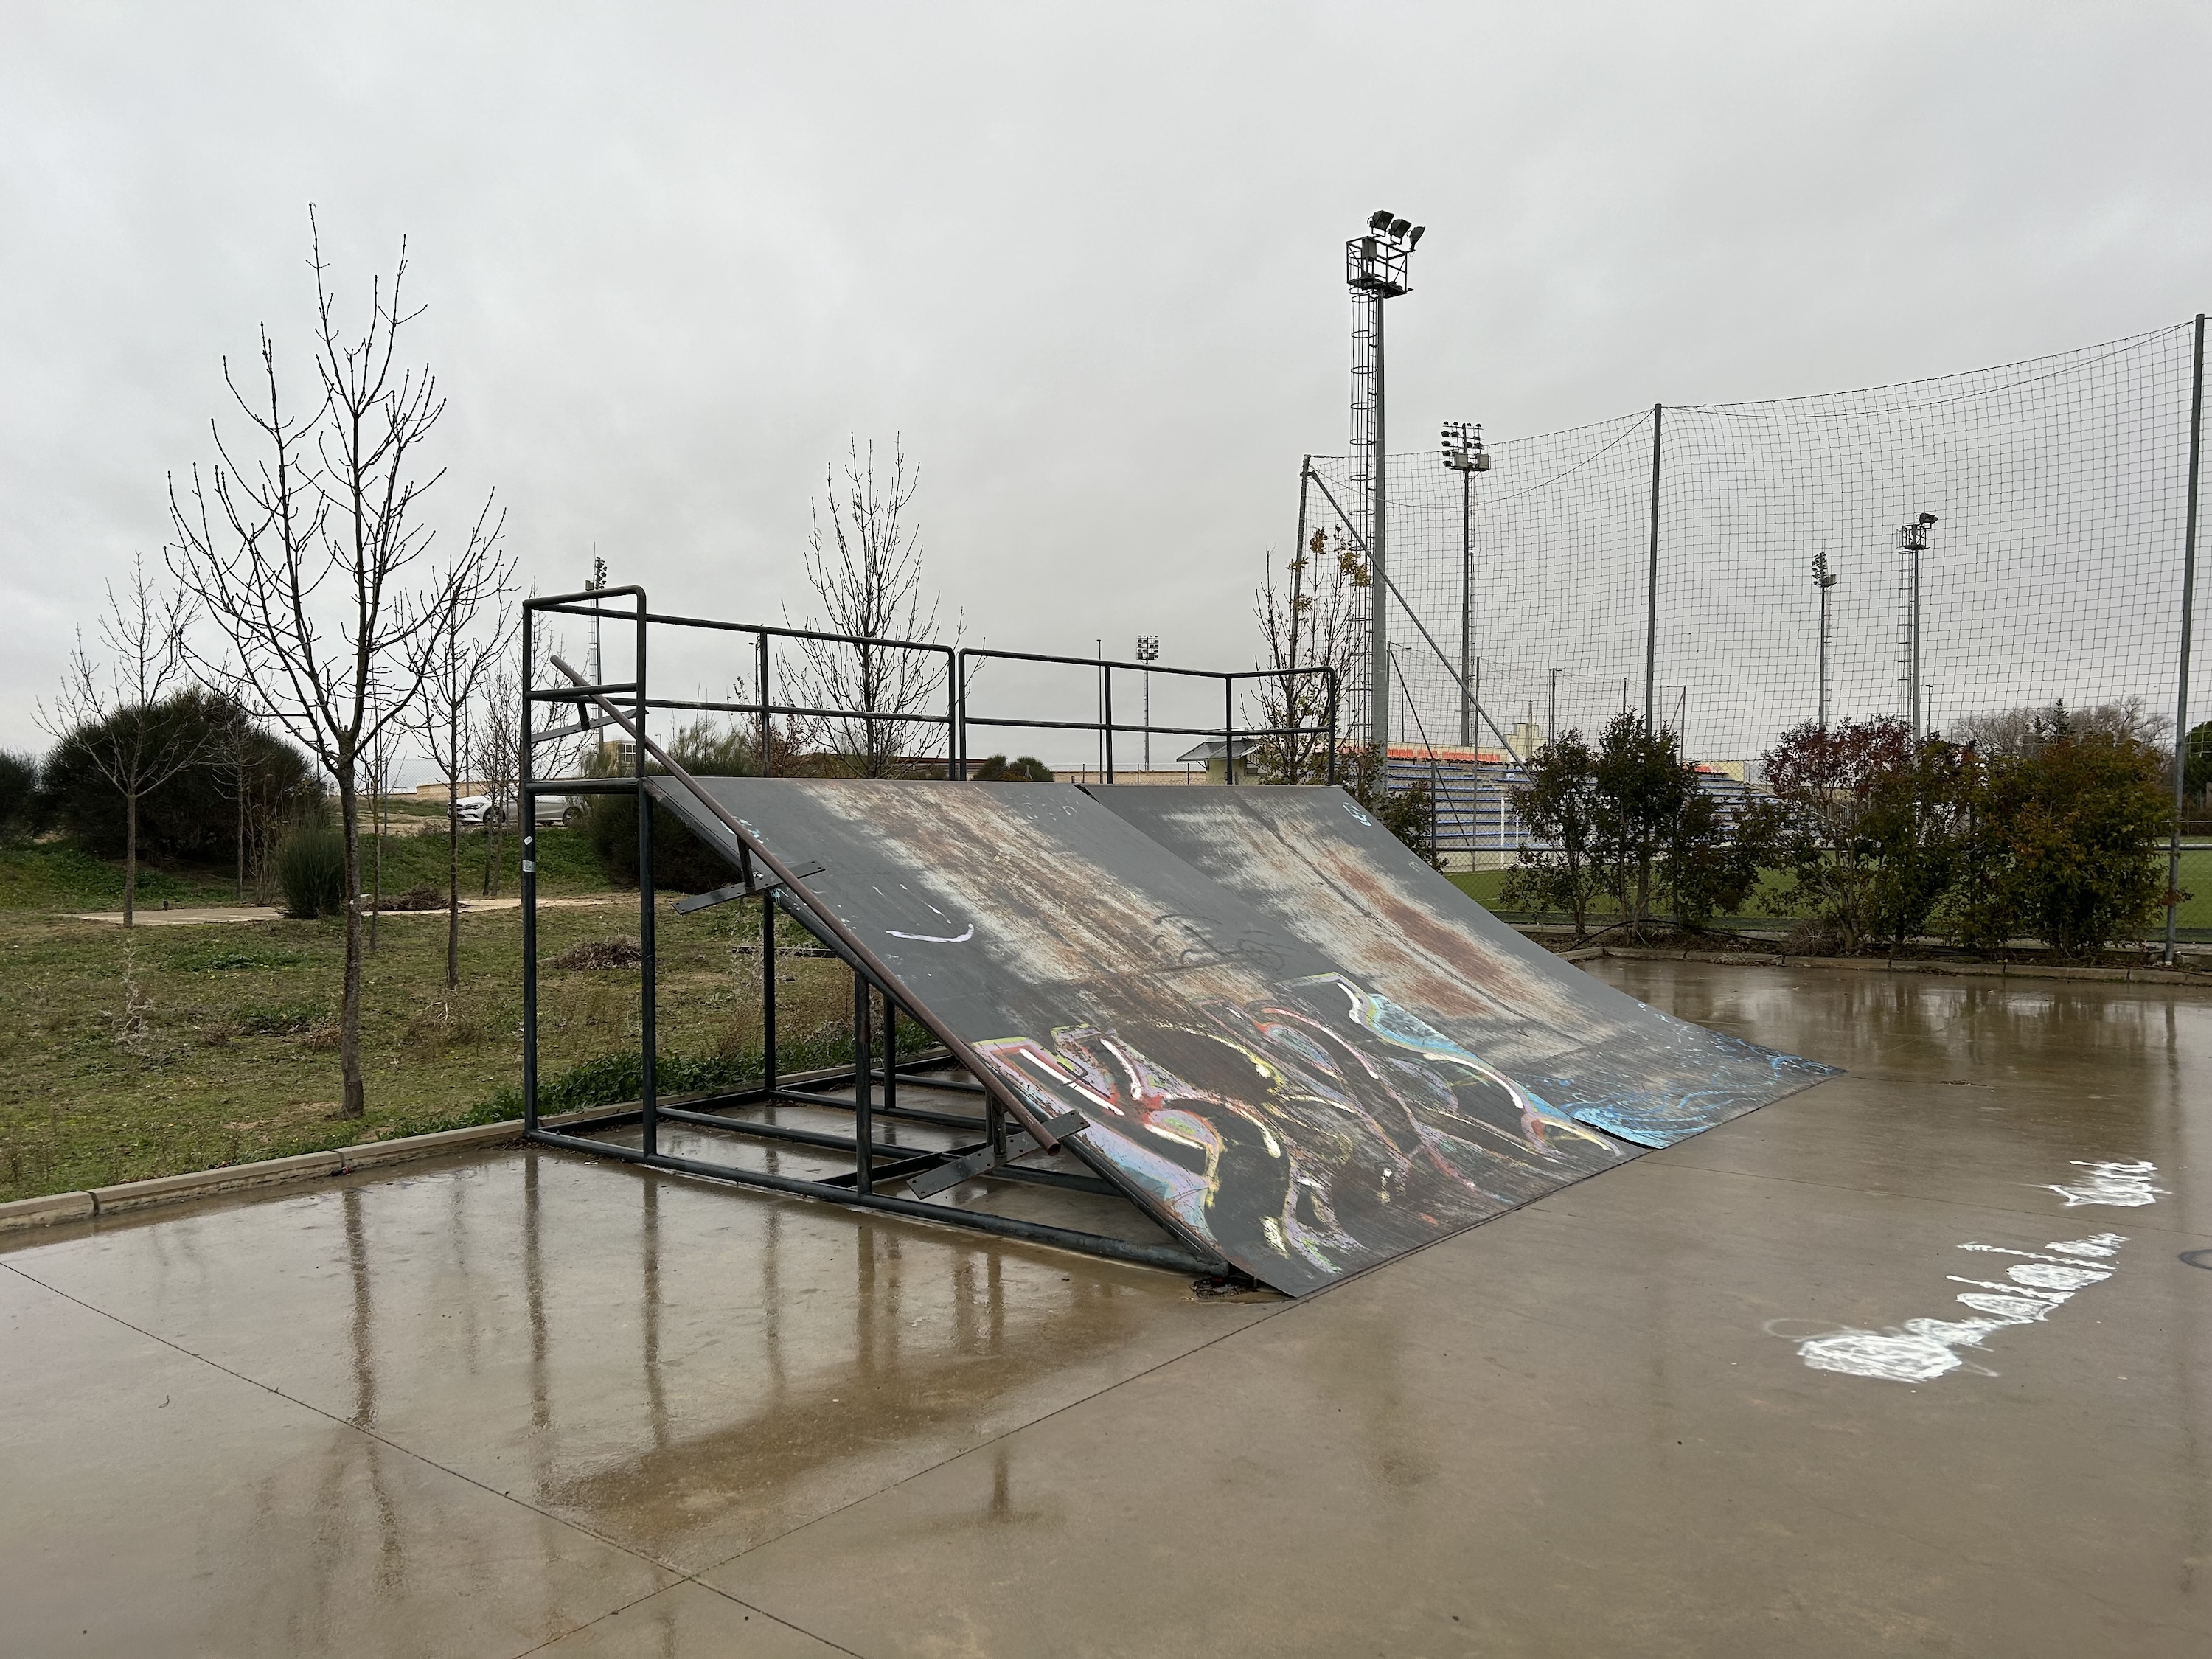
268	1172
310	1166
1886	965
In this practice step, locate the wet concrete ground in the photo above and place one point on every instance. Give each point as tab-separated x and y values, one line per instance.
530	1400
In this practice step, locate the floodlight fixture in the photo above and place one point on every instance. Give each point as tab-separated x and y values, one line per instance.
1399	226
1822	576
1928	517
1379	219
1413	237
1463	447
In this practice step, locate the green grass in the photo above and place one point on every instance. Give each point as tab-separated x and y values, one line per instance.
1483	887
58	875
155	1051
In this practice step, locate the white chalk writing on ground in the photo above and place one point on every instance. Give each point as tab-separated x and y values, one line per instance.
2035	1282
2124	1184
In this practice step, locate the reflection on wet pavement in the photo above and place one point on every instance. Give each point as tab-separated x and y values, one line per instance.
478	1407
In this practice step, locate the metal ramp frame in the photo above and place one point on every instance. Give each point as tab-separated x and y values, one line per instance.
991	1143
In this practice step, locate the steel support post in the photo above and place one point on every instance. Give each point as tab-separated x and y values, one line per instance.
1378	586
864	1119
1227	731
2188	617
1824	657
768	989
1912	601
648	980
529	879
767	729
1651	579
890	1056
1466	606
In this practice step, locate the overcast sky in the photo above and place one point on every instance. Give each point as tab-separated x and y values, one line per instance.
1086	259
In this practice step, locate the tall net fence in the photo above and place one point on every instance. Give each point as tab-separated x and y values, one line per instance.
1577	572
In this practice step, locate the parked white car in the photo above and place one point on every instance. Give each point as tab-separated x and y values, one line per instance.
551	809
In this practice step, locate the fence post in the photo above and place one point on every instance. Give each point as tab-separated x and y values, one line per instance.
2188	608
1651	579
648	998
525	778
766	727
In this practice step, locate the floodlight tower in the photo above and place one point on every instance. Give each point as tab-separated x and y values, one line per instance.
1376	271
1823	580
1465	455
1148	652
598	580
1911	543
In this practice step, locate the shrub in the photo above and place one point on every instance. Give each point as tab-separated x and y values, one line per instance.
2065	843
195	814
1027	768
1709	863
681	861
1409	813
1641	790
1871	825
21	801
1557	807
1631	820
311	871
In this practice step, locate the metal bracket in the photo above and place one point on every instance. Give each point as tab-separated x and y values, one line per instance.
737	890
560	731
984	1158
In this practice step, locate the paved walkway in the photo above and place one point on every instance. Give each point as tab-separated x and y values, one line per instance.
470	907
1722	1400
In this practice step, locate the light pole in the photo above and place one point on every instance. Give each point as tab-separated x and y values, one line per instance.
1823	580
1148	652
1465	455
1911	543
1376	271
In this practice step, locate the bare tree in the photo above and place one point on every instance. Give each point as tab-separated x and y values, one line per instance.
2023	730
495	752
117	719
1314	623
496	749
234	753
866	571
309	552
470	638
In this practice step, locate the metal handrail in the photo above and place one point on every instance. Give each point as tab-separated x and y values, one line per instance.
1106	726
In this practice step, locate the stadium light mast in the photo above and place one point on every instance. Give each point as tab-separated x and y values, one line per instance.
1465	455
1823	580
1376	271
1911	543
1148	652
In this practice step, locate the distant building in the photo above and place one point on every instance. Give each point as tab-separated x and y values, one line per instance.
1223	757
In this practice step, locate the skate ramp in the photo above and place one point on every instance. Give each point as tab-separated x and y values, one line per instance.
1312	862
1242	1081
